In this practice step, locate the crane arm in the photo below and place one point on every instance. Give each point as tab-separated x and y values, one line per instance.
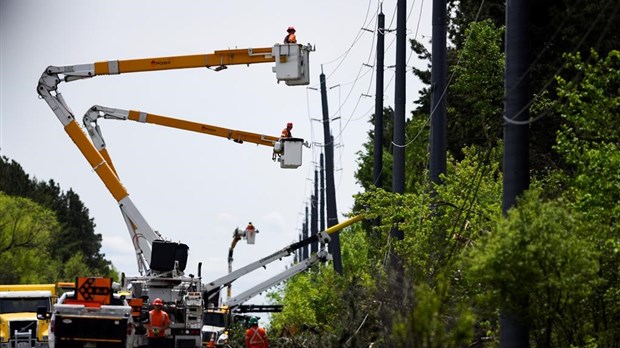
323	237
321	256
142	235
220	58
291	64
292	67
97	111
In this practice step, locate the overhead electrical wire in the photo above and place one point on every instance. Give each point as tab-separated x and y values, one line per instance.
350	118
361	75
445	90
471	191
341	58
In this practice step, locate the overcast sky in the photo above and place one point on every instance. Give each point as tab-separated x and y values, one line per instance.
197	188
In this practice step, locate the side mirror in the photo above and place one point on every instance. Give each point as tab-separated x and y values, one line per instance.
43	314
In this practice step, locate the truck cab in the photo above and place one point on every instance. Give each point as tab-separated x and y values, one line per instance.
19	326
91	316
214	327
87	325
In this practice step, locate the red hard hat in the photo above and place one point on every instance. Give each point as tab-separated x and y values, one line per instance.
158	302
290	28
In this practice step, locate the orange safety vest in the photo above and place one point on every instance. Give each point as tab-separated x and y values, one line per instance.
256	337
286	133
158	320
290	38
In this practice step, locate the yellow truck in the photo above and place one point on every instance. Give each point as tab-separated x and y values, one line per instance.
19	326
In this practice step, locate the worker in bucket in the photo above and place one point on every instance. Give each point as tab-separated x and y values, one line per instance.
290	38
159	321
250	233
286	133
255	336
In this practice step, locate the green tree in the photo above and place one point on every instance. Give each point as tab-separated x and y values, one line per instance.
539	263
555	256
76	267
416	136
322	308
556	27
77	229
365	157
435	310
477	91
26	229
589	142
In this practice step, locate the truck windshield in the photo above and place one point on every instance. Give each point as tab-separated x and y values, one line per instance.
18	305
215	319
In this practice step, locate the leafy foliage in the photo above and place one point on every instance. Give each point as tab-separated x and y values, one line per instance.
476	99
72	241
589	141
334	316
554	258
26	231
539	263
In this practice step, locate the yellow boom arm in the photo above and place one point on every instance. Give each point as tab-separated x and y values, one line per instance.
97	111
292	62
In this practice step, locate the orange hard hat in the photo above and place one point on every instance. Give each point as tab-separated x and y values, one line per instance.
290	29
158	302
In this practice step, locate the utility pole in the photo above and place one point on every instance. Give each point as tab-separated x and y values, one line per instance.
398	167
298	252
332	211
322	195
377	163
513	332
438	93
314	246
305	233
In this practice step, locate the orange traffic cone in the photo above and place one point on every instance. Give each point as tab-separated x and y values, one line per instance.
211	341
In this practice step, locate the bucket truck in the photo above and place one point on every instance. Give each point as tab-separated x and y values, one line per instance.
161	263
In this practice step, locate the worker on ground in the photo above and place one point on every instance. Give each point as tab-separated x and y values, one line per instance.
157	325
255	336
290	38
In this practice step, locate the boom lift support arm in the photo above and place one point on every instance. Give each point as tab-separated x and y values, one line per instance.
96	112
324	237
321	256
291	67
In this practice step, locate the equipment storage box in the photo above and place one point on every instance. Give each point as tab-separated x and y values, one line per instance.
165	253
291	154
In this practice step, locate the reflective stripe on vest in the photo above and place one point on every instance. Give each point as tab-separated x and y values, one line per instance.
258	335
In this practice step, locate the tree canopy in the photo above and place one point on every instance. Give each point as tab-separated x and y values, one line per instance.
48	226
553	258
